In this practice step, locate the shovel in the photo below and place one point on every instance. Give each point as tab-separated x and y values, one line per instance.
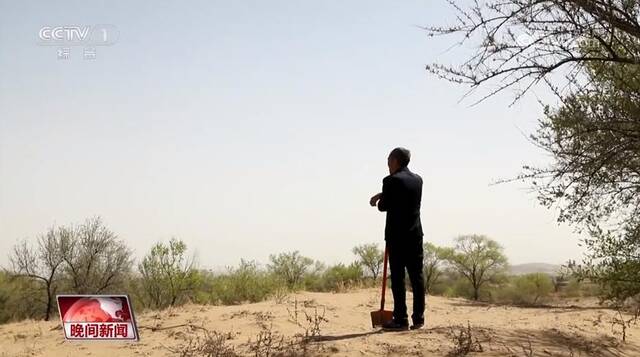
379	317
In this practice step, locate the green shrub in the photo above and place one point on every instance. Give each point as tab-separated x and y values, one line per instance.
371	257
168	277
246	283
313	280
576	289
459	287
19	298
342	277
529	289
479	259
290	267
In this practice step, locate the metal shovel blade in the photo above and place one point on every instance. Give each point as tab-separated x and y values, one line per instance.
379	317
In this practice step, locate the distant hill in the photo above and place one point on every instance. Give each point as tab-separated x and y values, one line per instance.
520	269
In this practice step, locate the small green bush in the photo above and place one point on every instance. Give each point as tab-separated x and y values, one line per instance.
529	289
290	267
459	287
168	276
577	289
246	283
19	298
342	277
313	280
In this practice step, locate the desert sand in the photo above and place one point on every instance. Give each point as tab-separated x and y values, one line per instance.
576	328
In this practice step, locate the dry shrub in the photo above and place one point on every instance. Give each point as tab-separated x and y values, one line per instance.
269	343
464	341
313	320
200	342
281	295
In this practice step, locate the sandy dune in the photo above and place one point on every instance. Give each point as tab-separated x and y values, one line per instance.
579	330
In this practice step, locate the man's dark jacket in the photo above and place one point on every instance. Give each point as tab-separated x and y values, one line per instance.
401	196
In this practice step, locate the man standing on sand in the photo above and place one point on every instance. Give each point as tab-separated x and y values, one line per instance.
400	198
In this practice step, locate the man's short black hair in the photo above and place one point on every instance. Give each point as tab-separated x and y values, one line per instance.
402	155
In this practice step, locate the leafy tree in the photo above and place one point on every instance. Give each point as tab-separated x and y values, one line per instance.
370	257
531	288
593	135
290	267
594	180
478	259
167	274
434	256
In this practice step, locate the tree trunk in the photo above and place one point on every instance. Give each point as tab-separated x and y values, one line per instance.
49	298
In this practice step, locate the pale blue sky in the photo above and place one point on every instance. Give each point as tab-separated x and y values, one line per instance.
254	127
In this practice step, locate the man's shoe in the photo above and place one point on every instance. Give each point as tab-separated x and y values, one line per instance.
417	326
395	325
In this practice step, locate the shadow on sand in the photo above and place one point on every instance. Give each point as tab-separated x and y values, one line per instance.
517	342
346	336
558	308
552	341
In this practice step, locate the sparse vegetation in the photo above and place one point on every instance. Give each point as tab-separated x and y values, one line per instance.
342	277
168	276
251	282
624	322
313	321
434	257
42	265
19	298
200	342
464	341
245	283
96	260
478	259
529	289
370	257
522	290
88	258
587	53
290	267
267	343
270	343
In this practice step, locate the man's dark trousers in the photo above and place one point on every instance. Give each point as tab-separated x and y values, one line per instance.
407	254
